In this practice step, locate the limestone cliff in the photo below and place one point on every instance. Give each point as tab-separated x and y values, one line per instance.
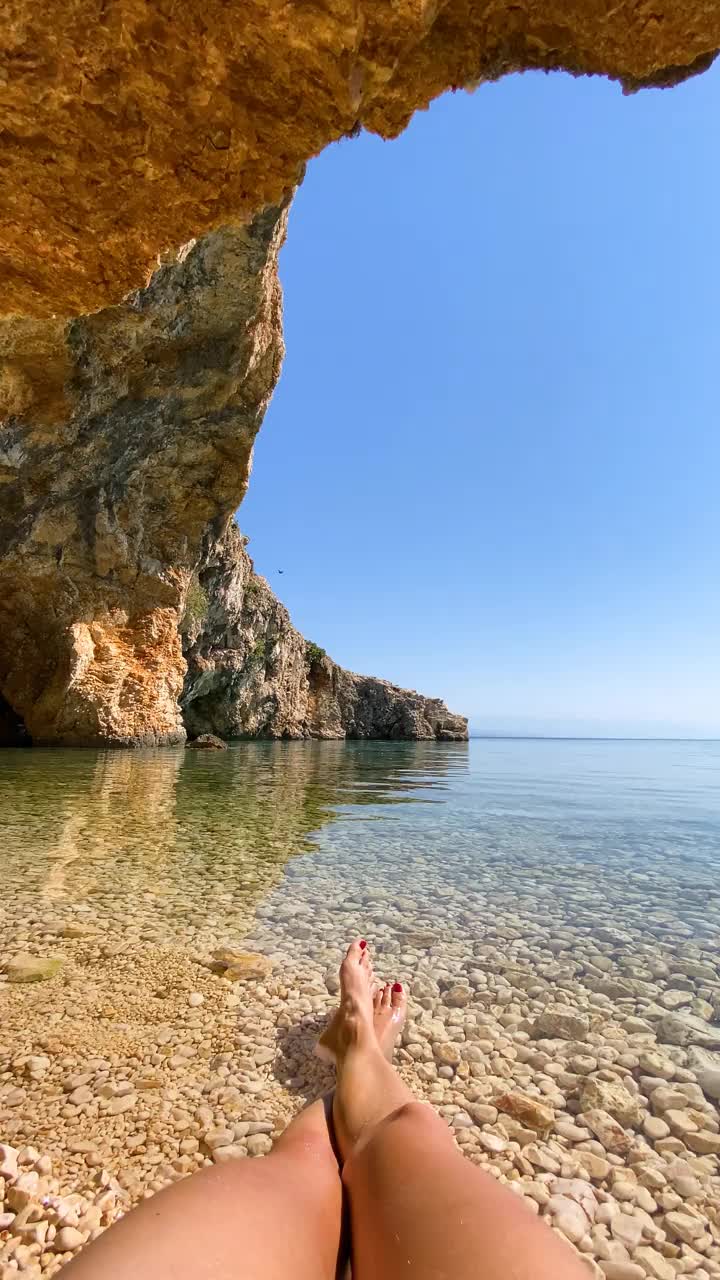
251	673
109	484
116	492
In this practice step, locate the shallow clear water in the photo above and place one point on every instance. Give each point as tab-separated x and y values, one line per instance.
177	844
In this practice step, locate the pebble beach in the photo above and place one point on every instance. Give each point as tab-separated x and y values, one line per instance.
564	1019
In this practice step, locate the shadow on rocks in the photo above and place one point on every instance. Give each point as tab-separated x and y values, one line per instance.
296	1065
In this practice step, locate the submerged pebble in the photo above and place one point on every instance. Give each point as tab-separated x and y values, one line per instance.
563	1018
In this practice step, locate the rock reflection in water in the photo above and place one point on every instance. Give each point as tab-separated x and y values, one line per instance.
164	842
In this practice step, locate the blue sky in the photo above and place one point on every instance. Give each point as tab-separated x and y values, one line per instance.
491	469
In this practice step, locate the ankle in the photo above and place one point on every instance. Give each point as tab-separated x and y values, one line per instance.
362	1046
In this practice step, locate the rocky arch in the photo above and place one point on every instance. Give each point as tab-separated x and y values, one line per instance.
126	429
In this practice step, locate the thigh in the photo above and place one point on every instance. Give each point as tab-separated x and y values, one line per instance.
419	1210
264	1219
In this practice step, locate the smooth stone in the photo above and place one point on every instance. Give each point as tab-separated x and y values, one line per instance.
582	1065
8	1162
230	1152
598	1168
704	1143
687	1186
569	1217
26	968
621	1270
77	931
611	1096
116	1106
461	1120
573	1132
68	1239
654	1128
243	966
447	1054
560	1022
219	1138
680	1123
699	1058
491	1143
481	1112
684	1226
654	1263
457	997
709	1080
627	1229
688	1029
81	1095
608	1132
666	1098
259	1144
652	1063
650	1177
675	999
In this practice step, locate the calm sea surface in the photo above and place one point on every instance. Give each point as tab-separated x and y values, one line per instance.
178	842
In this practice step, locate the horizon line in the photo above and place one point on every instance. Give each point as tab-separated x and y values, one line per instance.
585	737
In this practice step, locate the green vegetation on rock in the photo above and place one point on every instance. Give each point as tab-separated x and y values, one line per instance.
314	653
196	605
258	653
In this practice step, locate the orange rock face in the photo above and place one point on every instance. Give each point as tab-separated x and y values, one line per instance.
129	434
130	126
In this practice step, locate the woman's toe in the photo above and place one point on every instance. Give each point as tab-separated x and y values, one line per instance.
397	996
386	996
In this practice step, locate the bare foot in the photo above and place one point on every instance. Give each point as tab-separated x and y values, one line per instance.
353	1021
389	1013
360	1041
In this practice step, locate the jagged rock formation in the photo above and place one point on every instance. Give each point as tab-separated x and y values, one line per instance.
121	462
119	455
250	673
127	129
126	435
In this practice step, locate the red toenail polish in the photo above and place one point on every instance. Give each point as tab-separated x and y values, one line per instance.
363	944
397	986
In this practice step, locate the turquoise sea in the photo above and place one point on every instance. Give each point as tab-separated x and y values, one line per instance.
186	840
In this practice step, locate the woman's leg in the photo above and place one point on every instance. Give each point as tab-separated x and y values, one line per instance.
265	1219
418	1209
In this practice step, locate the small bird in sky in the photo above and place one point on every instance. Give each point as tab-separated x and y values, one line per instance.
281	570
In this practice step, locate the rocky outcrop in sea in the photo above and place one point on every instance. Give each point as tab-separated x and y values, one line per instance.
250	673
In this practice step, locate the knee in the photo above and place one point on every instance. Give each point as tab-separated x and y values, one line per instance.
308	1153
411	1118
414	1125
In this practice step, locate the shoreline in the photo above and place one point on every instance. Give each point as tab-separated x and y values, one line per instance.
559	968
631	1180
